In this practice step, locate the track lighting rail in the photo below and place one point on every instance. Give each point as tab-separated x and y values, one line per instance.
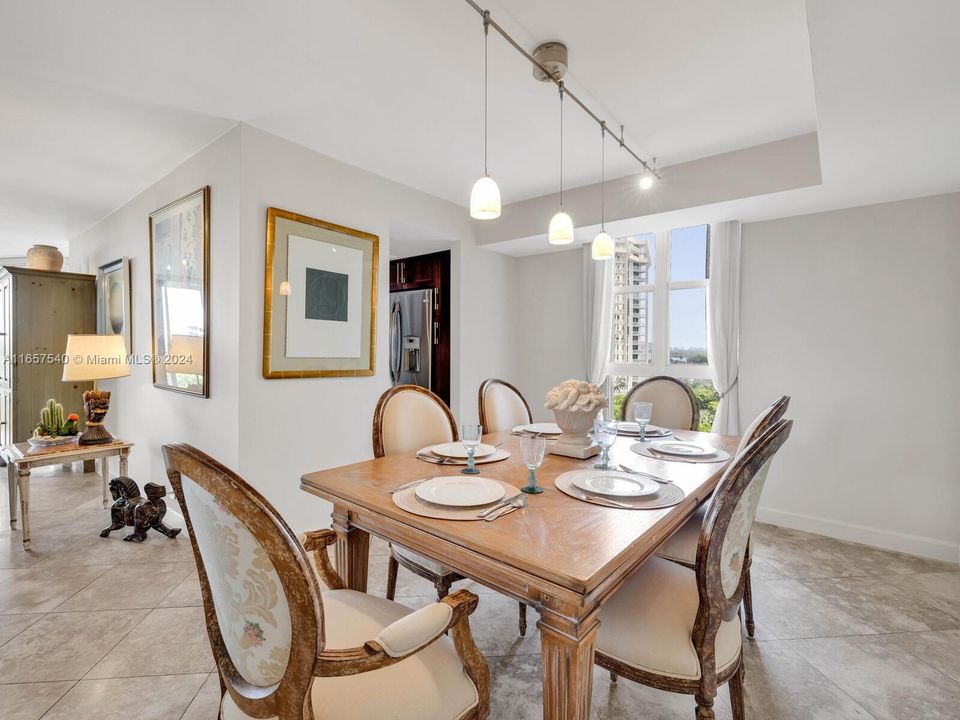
490	22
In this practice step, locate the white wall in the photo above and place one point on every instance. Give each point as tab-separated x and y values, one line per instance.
854	314
140	412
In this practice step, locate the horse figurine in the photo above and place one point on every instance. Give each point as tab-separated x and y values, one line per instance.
130	509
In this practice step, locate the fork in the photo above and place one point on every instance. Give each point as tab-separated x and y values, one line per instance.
515	504
631	471
599	501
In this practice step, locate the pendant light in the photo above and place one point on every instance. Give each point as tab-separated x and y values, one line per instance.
485	196
646	180
603	246
561	226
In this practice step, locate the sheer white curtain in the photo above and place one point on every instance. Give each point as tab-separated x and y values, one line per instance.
597	315
723	323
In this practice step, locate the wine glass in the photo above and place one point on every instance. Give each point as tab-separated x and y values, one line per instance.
532	447
470	437
642	411
604	435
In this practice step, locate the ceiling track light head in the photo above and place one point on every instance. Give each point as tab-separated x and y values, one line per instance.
552	57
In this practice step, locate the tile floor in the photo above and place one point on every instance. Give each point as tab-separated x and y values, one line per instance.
103	629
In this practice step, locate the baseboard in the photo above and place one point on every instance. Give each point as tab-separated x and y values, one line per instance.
886	539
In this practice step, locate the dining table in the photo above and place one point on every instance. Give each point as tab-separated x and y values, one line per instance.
559	555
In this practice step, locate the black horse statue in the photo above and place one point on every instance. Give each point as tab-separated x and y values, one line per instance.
130	509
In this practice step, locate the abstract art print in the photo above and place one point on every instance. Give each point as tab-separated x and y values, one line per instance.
319	298
114	301
179	291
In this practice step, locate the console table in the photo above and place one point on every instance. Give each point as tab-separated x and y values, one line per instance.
22	457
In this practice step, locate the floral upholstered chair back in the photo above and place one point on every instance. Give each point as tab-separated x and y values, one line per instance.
254	575
726	529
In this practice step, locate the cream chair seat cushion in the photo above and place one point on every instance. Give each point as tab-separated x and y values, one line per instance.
423	561
412	420
430	685
648	623
671	404
503	409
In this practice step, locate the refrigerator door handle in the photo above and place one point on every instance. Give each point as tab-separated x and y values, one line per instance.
396	340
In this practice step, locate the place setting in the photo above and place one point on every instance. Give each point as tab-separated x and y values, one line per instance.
469	451
680	451
459	497
548	430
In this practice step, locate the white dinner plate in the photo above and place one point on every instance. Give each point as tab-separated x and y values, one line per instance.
680	449
460	491
631	428
546	428
615	483
458	450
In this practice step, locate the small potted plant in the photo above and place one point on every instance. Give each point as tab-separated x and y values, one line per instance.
53	428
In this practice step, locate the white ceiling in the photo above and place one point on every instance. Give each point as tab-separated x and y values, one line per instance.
108	95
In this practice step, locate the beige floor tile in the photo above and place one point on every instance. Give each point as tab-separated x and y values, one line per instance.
169	640
780	685
29	701
129	586
113	550
185	594
206	704
883	607
42	589
12	625
42	547
788	609
627	700
64	646
881	677
6	574
939	649
940	590
149	698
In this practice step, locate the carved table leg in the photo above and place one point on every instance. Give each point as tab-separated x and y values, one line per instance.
353	551
105	476
124	463
567	652
24	488
12	493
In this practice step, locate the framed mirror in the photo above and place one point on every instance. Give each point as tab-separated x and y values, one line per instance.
179	292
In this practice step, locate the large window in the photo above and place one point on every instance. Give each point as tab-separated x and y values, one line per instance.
660	312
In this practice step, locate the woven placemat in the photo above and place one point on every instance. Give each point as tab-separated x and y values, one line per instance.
408	500
668	496
643	449
499	455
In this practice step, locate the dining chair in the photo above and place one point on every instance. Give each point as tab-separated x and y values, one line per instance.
681	547
678	629
287	650
674	404
502	406
408	418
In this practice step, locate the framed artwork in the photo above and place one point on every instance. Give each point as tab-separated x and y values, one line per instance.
319	298
179	294
114	315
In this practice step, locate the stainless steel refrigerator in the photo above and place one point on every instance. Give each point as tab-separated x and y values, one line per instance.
411	337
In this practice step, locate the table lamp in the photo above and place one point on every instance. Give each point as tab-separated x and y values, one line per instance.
186	356
95	357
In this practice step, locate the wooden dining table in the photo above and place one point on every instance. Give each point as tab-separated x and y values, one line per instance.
562	556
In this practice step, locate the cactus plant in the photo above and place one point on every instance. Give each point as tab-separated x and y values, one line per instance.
52	422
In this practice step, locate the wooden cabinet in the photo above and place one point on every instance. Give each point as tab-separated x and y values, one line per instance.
37	311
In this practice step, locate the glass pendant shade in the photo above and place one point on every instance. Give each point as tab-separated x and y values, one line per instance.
485	199
602	248
561	229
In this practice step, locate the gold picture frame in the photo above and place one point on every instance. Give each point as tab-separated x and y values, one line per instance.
318	321
180	282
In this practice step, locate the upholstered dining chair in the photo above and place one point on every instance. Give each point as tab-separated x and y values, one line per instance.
674	404
408	418
502	406
678	629
681	547
287	650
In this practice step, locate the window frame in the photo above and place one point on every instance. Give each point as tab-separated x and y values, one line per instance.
659	291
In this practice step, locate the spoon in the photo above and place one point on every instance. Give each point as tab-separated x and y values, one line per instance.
516	503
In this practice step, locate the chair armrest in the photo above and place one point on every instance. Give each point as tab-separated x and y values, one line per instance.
317	542
403	638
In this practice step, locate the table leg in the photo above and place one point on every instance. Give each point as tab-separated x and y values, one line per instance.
124	457
567	653
24	486
105	477
12	492
353	551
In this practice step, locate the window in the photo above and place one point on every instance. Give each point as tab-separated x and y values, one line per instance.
660	312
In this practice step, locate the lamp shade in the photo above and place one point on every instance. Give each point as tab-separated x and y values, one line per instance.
561	229
186	354
602	248
94	357
485	199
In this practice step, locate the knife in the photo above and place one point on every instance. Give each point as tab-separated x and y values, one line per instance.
598	501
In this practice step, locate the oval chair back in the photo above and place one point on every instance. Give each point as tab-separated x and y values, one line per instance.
502	406
724	537
410	417
674	404
763	422
257	585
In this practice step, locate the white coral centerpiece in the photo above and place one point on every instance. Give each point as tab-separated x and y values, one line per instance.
575	404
